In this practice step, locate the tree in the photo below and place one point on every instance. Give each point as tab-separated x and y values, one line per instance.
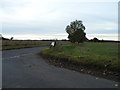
76	31
95	39
2	38
11	38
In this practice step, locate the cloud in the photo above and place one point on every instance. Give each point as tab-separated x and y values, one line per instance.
105	27
52	16
60	36
37	36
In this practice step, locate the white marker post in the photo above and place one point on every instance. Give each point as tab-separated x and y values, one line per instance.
52	44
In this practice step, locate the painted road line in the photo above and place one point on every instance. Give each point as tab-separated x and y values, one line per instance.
18	56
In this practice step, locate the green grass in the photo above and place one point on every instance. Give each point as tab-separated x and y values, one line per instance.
96	55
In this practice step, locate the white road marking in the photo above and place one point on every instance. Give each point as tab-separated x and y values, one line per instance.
116	85
18	56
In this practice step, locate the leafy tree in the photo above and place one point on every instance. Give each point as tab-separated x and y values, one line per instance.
95	39
11	38
76	31
2	38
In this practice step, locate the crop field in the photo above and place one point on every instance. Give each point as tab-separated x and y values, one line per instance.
96	55
17	44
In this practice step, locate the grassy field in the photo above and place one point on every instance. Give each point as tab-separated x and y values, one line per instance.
102	56
17	44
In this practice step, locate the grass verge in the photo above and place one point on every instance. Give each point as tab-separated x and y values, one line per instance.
96	57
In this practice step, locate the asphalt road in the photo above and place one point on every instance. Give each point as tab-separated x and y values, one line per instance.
23	68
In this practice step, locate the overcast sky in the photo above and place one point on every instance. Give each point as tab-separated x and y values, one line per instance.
47	19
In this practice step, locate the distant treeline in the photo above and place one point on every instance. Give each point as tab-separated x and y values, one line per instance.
97	40
104	41
86	41
2	38
92	40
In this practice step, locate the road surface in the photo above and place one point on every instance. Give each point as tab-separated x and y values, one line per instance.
23	68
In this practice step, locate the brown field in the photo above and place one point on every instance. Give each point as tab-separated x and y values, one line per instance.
17	44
